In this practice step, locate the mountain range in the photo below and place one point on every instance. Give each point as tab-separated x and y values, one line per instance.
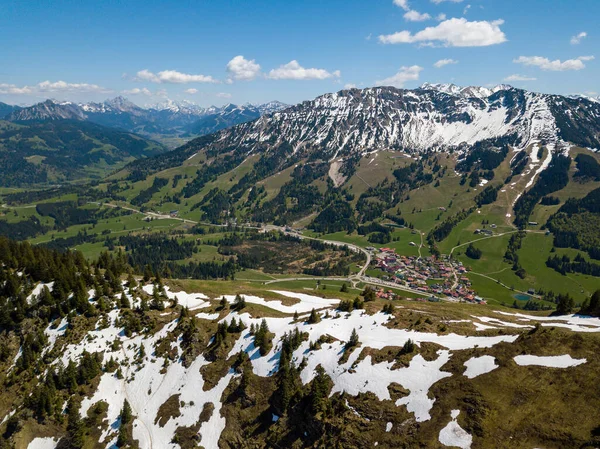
168	118
348	124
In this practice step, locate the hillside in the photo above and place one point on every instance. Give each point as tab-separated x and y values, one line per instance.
65	150
166	363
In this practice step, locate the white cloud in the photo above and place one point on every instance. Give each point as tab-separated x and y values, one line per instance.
557	65
172	77
519	78
578	38
402	4
15	90
191	91
294	71
452	33
242	69
466	10
441	17
349	86
404	74
444	62
415	16
48	86
137	91
223	95
437	2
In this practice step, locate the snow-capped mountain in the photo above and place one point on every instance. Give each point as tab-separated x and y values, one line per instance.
117	105
165	118
48	110
585	97
181	107
359	121
350	123
271	106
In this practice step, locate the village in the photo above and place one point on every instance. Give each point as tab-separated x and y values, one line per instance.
437	277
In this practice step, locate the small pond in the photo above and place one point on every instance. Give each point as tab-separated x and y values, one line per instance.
522	297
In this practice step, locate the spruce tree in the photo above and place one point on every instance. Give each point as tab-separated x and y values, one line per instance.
354	341
314	317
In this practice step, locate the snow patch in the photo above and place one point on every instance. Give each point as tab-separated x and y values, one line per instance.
558	361
43	443
477	366
455	436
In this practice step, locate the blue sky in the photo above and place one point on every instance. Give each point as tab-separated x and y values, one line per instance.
219	51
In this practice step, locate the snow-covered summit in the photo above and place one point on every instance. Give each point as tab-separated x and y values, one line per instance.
466	92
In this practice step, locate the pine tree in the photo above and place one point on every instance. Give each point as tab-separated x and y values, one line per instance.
75	425
126	414
314	317
240	302
408	347
344	288
131	282
354	341
223	303
565	304
369	294
124	302
233	326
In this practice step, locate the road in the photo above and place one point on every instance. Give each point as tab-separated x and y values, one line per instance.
355	248
354	279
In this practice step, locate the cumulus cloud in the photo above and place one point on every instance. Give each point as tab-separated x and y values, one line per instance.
444	62
578	38
191	91
519	78
137	91
294	71
415	16
242	69
556	66
441	17
404	74
452	33
48	86
402	4
349	86
172	77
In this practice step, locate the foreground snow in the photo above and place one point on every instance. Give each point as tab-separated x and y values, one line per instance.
575	323
43	443
455	436
148	382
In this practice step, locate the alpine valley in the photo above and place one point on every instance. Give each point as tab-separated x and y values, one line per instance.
376	267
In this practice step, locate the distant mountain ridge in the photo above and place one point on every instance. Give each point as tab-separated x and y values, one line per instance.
6	109
165	118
